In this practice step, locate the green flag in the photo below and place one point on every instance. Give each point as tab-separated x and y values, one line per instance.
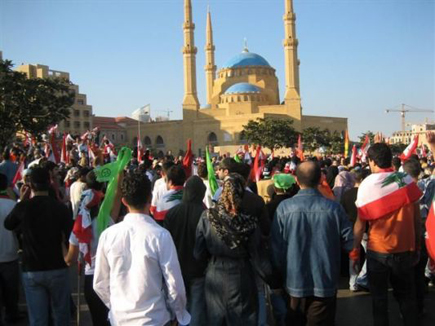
109	173
211	175
237	159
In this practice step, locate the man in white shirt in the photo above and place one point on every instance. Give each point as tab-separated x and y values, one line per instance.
77	189
160	187
9	269
137	273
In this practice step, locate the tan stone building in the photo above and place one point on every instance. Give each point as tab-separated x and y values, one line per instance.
244	88
115	129
405	137
80	119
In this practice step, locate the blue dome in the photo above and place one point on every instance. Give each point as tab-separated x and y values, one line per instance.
246	59
242	88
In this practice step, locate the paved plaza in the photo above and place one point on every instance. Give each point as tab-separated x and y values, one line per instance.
353	309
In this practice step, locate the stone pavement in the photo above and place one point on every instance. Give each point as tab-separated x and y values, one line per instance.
353	309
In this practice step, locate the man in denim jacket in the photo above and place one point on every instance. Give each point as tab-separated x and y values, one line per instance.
308	233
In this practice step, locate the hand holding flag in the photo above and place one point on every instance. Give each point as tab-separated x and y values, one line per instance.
211	174
110	172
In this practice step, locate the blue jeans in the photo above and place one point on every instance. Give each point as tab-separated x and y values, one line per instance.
196	301
44	289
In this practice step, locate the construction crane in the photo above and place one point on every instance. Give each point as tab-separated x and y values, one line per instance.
168	113
406	108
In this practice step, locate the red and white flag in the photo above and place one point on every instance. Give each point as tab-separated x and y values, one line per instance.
430	231
91	155
19	174
139	150
85	135
64	153
385	192
69	138
353	157
411	149
364	148
188	159
52	130
300	150
51	150
258	165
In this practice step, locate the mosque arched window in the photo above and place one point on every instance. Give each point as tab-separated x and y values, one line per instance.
245	98
212	138
147	141
159	142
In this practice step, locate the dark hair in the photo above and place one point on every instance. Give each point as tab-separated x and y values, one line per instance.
6	155
228	164
136	189
91	181
3	182
83	172
166	166
380	153
176	175
244	170
40	179
202	171
309	174
412	167
49	165
361	174
396	163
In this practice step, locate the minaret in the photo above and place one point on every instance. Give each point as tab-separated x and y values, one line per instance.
190	101
210	67
292	91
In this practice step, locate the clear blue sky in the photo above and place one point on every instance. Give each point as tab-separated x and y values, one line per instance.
358	57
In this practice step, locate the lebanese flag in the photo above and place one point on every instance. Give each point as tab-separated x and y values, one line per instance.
64	153
70	139
247	158
19	174
139	150
385	192
353	158
430	231
300	151
258	165
85	135
52	146
91	155
188	159
364	148
410	149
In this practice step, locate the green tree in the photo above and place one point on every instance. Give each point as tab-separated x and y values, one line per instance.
336	142
30	105
314	138
271	133
397	149
371	135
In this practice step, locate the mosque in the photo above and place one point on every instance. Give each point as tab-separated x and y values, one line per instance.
244	88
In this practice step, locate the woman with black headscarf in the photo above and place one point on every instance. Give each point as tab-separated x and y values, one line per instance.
181	221
225	235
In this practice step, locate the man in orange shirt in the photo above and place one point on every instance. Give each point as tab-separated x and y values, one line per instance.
388	201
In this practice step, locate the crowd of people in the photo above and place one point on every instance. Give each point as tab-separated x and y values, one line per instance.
266	245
